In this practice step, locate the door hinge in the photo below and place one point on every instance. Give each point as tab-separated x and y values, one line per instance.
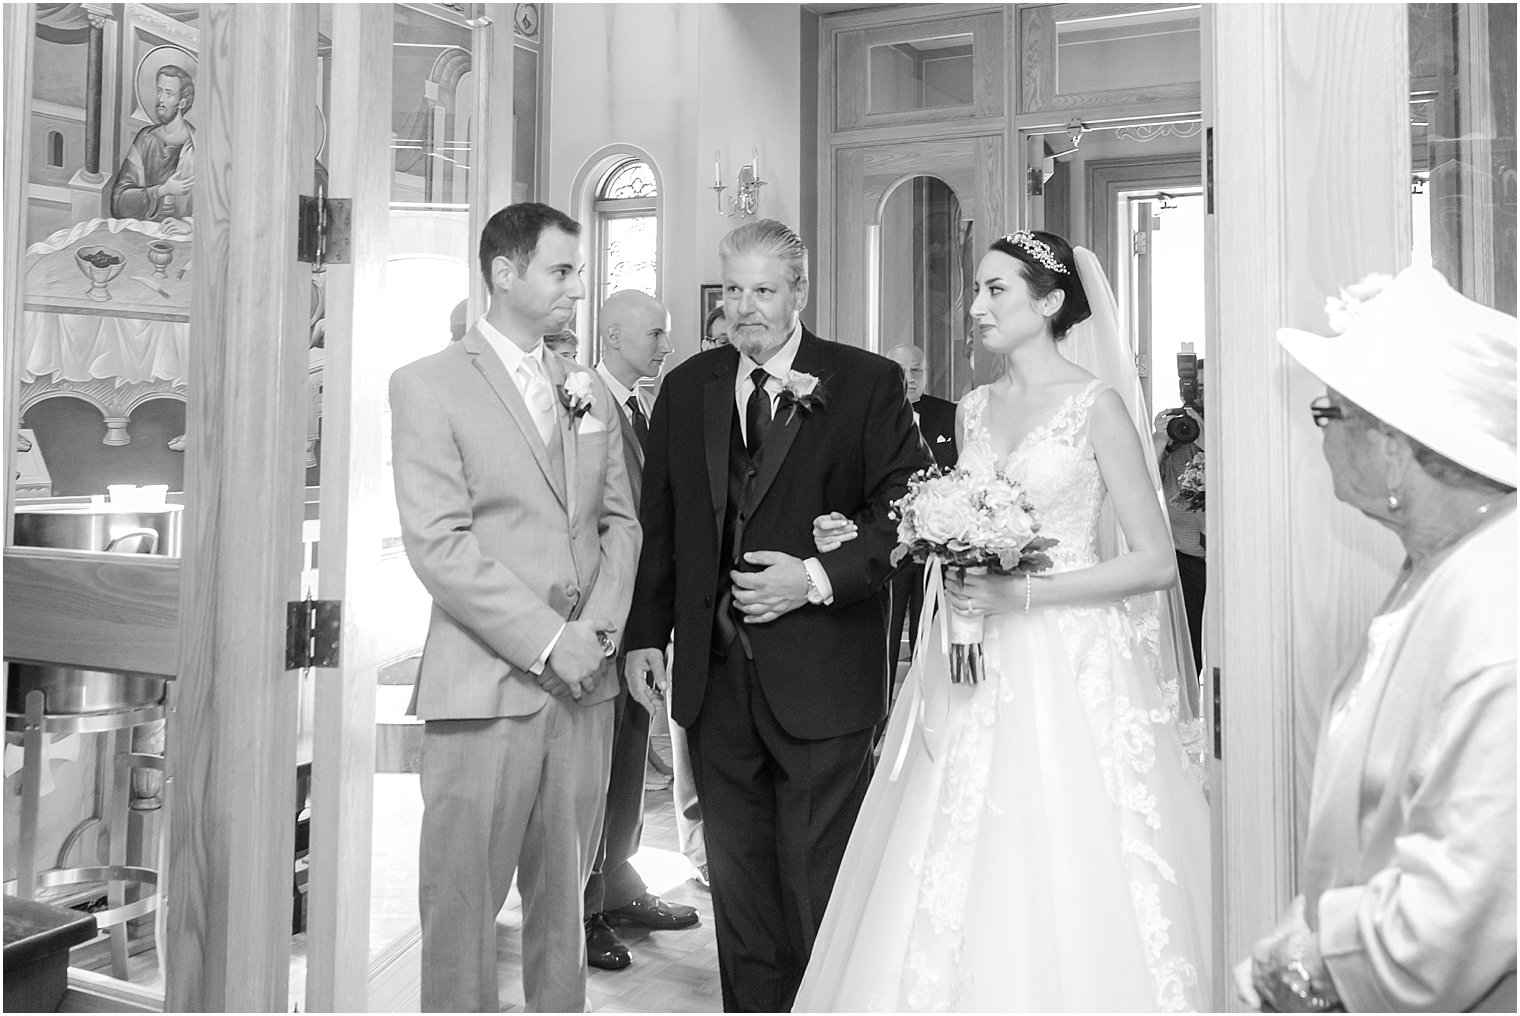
1218	720
1142	365
313	633
1141	245
324	229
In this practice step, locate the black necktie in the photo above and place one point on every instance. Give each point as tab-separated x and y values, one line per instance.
640	421
757	412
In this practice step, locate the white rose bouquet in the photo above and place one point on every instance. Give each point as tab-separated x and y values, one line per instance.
1190	485
969	520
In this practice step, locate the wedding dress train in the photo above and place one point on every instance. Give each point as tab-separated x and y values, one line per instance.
1038	841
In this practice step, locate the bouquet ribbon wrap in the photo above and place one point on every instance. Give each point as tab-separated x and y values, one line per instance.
931	687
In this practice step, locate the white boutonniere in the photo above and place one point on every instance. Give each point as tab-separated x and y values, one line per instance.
801	393
577	395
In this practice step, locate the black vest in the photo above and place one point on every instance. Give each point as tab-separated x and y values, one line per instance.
742	471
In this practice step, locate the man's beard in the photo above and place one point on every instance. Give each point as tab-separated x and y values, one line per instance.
754	342
164	113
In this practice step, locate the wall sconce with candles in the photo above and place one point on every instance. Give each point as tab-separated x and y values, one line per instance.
746	198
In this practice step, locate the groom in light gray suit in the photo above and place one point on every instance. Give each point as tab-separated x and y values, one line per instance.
517	517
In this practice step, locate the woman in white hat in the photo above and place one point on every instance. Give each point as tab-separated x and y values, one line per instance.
1408	874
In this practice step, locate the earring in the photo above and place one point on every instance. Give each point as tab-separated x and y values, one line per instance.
1393	500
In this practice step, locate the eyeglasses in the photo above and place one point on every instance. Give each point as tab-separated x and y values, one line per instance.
1323	411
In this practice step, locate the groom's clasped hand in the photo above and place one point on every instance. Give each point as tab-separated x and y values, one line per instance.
576	658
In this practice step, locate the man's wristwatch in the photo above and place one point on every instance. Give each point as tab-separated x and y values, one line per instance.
814	594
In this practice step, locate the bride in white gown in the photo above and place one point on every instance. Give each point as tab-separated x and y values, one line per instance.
1038	841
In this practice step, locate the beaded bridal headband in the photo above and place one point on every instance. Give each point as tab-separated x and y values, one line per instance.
1037	249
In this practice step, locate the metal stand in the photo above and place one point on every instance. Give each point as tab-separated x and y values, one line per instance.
118	875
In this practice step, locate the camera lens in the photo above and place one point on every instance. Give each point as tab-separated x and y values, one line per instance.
1182	429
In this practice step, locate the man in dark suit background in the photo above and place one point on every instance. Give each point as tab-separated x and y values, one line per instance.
780	673
936	422
635	331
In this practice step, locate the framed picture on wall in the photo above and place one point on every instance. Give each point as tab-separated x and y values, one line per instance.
712	296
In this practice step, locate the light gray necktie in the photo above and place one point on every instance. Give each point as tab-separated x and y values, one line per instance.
539	397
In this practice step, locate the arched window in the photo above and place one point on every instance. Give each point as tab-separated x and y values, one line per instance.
627	228
617	195
55	149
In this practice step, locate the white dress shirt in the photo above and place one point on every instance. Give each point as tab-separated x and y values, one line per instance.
545	417
778	367
620	392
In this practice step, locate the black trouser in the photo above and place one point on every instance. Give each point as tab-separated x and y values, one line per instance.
907	604
778	811
1194	577
614	882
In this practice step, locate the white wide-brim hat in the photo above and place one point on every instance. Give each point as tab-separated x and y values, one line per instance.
1425	360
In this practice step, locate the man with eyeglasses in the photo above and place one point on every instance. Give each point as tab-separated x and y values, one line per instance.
715	329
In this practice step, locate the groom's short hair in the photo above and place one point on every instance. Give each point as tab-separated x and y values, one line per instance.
767	236
514	232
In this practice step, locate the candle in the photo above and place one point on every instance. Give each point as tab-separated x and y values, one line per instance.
717	170
754	162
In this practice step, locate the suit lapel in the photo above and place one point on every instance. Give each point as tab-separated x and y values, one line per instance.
568	426
717	419
495	372
778	442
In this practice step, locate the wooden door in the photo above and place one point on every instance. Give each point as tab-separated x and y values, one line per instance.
866	239
413	88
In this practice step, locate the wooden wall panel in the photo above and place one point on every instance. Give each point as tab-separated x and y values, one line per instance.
98	611
232	731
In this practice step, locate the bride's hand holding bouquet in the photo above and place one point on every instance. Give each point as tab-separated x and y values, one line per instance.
983	531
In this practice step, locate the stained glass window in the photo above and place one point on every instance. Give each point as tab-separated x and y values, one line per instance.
626	201
628	228
629	254
630	180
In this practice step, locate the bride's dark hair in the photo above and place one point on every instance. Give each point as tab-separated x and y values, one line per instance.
1049	265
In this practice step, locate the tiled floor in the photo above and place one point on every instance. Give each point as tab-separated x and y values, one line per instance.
672	971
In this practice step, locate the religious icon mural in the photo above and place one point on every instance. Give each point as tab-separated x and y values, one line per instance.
157	173
110	227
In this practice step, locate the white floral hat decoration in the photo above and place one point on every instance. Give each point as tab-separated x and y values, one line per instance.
1424	359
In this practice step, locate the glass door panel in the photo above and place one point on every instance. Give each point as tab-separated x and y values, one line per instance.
102	348
402	152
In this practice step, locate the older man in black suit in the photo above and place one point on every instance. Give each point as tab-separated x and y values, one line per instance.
936	422
780	673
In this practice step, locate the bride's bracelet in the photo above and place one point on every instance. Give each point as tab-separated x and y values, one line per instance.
1028	591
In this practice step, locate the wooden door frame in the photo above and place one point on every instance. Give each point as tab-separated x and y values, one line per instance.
353	462
1295	575
232	726
1107	178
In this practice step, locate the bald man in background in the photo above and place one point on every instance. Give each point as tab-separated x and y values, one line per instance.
635	330
936	422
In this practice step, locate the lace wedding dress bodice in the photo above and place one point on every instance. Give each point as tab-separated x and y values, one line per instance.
1055	465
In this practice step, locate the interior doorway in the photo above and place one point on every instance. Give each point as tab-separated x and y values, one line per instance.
1164	286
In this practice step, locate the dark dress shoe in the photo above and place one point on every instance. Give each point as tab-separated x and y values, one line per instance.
604	950
649	911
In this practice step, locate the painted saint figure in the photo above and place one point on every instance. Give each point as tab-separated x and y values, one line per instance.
156	177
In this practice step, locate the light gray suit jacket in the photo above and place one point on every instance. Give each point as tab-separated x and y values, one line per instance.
508	549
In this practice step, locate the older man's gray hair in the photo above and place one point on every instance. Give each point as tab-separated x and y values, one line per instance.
767	236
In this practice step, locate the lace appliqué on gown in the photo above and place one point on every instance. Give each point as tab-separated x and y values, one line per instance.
1057	467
